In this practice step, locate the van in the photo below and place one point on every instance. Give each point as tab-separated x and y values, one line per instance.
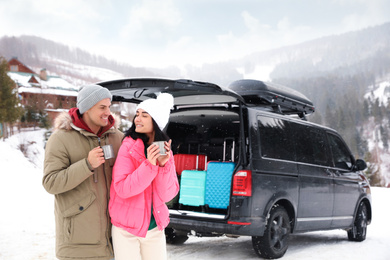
250	164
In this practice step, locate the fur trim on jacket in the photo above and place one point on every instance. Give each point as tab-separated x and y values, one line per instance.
64	121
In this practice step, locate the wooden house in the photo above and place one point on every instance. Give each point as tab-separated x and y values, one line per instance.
42	92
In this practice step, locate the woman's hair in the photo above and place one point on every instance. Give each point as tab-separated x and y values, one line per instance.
158	134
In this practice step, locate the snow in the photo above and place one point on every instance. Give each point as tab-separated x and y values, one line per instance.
36	90
69	71
52	83
27	219
380	91
259	72
55	85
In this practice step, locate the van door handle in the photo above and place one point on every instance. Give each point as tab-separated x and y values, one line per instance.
329	172
362	184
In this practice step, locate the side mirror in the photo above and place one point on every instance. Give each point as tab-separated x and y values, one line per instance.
360	165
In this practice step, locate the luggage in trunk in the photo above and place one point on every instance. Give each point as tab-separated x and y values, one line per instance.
218	184
189	162
192	188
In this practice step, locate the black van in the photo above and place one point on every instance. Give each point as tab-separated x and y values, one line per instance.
286	174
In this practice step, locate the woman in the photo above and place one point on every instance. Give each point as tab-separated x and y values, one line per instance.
143	181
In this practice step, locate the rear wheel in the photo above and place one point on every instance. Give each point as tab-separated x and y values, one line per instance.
359	229
175	238
274	243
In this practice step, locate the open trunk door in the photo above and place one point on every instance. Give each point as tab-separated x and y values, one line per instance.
185	92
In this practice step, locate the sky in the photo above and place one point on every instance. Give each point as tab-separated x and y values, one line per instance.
161	33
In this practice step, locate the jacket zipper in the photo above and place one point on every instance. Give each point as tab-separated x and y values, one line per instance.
95	176
107	213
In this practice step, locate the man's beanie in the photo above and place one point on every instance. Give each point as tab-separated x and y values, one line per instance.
159	108
89	95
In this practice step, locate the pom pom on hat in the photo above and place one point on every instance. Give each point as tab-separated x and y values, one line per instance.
89	95
159	108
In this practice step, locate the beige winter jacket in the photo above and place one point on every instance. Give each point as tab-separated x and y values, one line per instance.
83	227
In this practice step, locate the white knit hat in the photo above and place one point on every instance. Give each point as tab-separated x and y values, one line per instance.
89	95
159	108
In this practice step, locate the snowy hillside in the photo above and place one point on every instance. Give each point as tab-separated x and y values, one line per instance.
27	219
380	94
79	74
380	91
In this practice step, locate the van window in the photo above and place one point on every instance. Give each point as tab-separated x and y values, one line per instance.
275	138
340	153
311	145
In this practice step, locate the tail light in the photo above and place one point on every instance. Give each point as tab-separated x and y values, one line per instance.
242	183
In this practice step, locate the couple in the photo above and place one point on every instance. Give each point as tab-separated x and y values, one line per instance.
130	191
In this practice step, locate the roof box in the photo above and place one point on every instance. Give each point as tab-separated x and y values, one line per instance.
281	98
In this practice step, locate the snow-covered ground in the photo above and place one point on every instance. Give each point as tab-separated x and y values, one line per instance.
27	220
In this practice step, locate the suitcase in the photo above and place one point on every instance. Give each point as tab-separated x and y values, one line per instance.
190	162
192	188
228	149
218	184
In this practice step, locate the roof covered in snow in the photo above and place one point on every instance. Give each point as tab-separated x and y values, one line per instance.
31	83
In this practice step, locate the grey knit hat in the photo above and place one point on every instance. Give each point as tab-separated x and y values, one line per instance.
89	95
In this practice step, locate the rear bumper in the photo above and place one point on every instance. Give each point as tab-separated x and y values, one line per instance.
213	224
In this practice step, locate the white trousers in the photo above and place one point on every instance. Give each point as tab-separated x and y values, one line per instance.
130	247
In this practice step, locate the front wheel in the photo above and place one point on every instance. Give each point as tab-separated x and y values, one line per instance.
359	230
274	243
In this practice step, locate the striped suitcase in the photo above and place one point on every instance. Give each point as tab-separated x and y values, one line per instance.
218	184
192	188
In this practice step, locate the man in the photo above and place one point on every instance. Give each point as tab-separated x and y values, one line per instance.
76	172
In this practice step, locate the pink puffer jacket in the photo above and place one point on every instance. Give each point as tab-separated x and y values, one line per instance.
135	184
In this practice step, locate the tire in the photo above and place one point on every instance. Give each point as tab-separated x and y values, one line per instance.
175	238
359	230
274	243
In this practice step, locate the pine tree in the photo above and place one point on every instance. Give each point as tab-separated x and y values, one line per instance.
384	137
361	144
9	109
366	109
373	170
377	111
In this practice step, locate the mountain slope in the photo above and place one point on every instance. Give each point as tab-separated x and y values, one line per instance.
76	65
347	54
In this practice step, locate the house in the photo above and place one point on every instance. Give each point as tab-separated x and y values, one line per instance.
42	92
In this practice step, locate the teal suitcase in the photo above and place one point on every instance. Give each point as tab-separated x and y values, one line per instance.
192	188
218	184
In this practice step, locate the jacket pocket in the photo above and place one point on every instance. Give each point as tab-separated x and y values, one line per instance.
82	223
